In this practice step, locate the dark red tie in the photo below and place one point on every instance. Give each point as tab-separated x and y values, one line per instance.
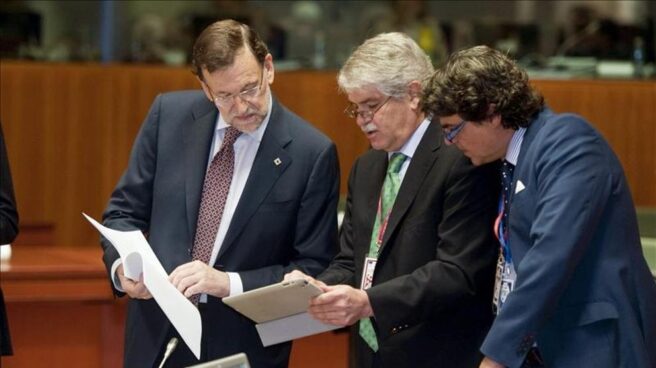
215	192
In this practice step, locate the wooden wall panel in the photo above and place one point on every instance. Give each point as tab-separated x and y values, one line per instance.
625	113
70	127
61	310
23	107
313	95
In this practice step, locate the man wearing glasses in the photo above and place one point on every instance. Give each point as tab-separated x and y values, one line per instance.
233	190
416	264
572	289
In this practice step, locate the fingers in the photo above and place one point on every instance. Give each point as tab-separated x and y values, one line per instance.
331	298
134	289
199	278
320	284
185	276
489	363
296	274
340	305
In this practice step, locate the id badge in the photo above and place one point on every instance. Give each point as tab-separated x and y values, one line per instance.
368	273
507	282
506	288
497	282
504	283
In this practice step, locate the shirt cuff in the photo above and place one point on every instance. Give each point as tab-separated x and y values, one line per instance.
115	279
236	286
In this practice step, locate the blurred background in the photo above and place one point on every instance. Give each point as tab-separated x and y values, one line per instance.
77	79
544	35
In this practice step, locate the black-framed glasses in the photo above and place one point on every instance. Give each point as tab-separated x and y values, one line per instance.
352	111
451	134
246	95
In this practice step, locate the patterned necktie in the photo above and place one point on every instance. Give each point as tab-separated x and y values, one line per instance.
215	192
506	184
388	196
504	266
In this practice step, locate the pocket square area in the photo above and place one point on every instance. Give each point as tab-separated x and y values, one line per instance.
519	187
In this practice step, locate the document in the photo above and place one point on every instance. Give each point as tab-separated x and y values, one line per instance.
138	258
279	311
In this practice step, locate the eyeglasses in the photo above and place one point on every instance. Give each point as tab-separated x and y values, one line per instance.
352	111
451	134
246	95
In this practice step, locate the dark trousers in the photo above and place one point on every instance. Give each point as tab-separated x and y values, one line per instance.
5	340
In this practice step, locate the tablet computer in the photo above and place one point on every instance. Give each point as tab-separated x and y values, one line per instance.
274	301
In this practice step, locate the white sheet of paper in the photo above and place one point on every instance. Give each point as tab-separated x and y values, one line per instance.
290	328
138	258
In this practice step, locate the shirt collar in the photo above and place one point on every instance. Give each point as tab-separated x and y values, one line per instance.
409	148
512	154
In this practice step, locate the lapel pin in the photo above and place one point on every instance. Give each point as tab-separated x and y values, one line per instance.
277	161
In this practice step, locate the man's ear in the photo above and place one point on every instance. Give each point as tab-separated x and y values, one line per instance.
414	92
493	117
268	65
495	120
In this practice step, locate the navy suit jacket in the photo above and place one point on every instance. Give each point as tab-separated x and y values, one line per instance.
432	286
584	292
285	218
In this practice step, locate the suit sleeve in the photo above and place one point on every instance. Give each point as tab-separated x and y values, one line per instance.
464	256
342	268
316	225
131	202
573	186
8	211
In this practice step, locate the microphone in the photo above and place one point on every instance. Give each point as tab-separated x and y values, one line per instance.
173	343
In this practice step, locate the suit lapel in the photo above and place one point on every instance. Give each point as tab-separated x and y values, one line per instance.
270	162
197	140
529	136
420	165
371	191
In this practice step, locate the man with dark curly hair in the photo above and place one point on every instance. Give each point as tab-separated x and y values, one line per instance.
572	286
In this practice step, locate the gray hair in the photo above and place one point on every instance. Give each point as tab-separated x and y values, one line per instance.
388	62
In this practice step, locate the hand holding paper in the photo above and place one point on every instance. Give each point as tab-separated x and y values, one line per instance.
135	289
197	277
138	258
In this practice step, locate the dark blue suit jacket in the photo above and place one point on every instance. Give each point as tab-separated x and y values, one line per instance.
584	292
285	219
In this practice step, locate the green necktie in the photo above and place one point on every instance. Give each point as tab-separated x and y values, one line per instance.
387	197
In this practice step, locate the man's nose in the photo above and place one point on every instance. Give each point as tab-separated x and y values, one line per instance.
239	106
363	121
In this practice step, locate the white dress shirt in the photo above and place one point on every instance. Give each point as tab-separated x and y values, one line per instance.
246	147
409	147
